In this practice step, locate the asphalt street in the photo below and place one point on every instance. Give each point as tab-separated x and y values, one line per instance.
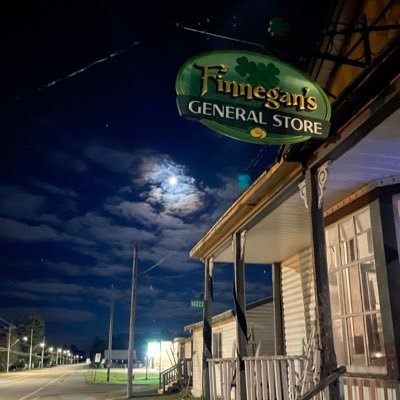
58	383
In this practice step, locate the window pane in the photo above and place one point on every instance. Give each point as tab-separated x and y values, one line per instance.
347	252
362	221
364	243
334	293
375	339
217	345
369	286
339	341
332	236
353	294
346	229
332	253
355	329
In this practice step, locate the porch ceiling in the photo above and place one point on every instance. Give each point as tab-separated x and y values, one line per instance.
285	230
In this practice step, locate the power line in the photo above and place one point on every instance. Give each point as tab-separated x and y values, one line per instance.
48	85
159	262
230	38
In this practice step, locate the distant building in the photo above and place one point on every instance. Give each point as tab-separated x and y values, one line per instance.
119	358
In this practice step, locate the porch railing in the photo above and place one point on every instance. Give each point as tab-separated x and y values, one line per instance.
267	378
222	373
274	377
181	373
282	378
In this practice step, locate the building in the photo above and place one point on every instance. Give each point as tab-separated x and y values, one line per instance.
326	216
260	326
119	358
161	355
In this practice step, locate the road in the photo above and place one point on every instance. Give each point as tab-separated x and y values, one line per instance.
57	383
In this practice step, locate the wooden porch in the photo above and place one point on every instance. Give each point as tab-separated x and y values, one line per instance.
267	378
287	378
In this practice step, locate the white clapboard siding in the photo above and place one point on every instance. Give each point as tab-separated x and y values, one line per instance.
298	300
228	335
197	362
261	319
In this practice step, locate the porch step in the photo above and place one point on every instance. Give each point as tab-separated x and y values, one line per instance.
170	388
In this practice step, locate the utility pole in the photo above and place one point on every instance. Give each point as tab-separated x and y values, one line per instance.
132	322
10	326
42	352
8	348
30	351
110	332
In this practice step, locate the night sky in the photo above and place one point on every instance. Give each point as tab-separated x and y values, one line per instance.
86	164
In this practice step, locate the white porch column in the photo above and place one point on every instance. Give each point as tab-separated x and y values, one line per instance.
239	294
207	324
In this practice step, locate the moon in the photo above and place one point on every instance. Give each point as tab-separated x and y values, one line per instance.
173	180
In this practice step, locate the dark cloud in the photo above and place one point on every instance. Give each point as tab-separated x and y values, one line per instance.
17	203
69	162
53	189
59	315
21	232
112	159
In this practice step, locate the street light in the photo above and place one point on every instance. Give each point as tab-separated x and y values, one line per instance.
42	346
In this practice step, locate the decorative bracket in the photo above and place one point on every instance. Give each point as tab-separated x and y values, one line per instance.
211	265
303	193
242	244
322	178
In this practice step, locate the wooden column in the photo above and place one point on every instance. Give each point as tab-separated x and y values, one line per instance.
315	180
277	297
207	325
383	220
239	295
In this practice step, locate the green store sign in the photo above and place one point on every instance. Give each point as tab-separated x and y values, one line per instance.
252	97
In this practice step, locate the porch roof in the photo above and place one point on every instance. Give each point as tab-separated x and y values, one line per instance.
277	230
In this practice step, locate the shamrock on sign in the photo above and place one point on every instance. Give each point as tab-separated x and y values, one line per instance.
258	74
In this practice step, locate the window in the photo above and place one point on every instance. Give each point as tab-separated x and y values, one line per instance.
217	345
353	288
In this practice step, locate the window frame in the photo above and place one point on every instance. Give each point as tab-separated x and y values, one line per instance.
345	291
217	345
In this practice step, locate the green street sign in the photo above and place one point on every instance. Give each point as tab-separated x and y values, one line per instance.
252	97
197	303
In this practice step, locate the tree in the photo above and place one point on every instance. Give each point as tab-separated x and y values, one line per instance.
32	322
98	346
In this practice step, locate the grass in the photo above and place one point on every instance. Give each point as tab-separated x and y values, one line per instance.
96	376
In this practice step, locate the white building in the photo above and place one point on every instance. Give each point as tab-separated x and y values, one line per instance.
260	323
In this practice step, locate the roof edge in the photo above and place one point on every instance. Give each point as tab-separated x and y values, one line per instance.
229	313
248	203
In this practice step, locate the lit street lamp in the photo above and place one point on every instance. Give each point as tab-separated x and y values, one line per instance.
42	346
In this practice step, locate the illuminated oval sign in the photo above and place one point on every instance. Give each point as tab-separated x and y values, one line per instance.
252	97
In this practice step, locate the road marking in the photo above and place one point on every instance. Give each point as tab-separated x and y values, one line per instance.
42	387
15	380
